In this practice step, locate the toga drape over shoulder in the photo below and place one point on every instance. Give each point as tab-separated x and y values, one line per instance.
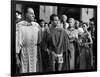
58	42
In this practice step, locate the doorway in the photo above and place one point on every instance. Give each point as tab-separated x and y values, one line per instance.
71	12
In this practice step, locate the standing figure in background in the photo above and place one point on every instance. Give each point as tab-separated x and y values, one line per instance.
18	16
42	24
73	36
86	55
92	30
64	21
77	24
76	44
57	42
44	50
28	42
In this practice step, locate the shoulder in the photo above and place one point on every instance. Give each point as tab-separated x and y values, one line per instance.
76	30
89	34
59	30
22	23
80	30
67	23
23	28
36	25
67	31
62	31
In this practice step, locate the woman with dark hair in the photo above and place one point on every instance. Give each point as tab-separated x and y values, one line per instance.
44	50
86	55
18	16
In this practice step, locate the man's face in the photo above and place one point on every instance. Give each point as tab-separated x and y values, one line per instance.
55	21
30	14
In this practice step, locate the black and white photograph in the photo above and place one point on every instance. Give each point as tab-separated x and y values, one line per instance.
52	38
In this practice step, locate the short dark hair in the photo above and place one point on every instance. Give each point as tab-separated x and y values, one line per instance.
18	12
41	20
52	17
92	19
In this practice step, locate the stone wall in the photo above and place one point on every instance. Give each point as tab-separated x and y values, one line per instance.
46	11
86	14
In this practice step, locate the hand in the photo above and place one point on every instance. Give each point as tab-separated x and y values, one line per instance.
72	39
48	51
17	60
79	42
85	44
53	53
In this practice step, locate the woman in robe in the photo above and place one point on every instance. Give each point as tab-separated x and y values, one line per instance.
86	55
73	35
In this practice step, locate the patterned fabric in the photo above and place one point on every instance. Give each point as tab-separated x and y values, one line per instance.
72	33
85	52
27	43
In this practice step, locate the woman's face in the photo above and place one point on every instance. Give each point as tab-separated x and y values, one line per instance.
71	23
64	18
84	27
42	24
77	23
